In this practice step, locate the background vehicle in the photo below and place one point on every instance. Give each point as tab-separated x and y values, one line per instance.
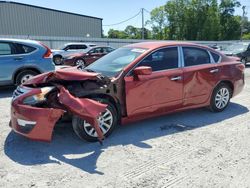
22	59
88	57
68	49
241	50
134	82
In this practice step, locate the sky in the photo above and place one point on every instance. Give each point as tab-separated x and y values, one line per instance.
112	11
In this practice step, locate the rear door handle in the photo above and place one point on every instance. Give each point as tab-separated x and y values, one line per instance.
176	78
214	70
18	58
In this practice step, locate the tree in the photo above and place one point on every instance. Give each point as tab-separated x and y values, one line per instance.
158	22
230	24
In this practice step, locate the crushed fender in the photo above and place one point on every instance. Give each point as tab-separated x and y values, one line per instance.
85	108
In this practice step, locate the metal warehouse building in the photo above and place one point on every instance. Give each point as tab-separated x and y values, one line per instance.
23	19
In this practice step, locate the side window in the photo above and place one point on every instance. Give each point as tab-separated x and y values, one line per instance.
23	49
195	56
5	49
162	59
81	47
215	56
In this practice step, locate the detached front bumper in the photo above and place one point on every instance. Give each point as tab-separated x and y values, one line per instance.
32	122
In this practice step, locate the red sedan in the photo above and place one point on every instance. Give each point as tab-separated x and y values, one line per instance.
134	82
88	57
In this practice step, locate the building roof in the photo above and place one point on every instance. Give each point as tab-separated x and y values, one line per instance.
11	2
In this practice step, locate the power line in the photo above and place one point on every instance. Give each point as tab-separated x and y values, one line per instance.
124	20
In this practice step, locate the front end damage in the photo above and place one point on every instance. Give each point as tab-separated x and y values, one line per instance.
42	101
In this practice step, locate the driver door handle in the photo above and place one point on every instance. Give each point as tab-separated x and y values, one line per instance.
175	78
214	70
18	58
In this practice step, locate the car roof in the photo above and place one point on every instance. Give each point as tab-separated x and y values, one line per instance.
80	43
159	44
27	41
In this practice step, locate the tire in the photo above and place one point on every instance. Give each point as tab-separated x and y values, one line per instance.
83	130
79	61
220	98
23	76
244	61
57	60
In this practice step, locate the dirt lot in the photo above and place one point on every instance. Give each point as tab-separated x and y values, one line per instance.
189	149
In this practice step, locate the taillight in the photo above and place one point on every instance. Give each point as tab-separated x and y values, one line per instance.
48	53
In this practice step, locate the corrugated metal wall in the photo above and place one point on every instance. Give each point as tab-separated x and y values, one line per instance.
20	19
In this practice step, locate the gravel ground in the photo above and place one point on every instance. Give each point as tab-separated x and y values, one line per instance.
194	148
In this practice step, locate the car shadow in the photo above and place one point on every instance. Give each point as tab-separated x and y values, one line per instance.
66	147
6	91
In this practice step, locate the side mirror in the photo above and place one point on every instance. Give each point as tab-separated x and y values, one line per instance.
142	70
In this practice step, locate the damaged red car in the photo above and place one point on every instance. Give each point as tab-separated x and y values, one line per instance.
134	82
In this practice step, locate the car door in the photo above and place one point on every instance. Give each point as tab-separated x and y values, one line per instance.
93	55
159	92
10	60
200	75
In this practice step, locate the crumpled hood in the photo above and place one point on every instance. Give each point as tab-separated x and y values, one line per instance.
68	74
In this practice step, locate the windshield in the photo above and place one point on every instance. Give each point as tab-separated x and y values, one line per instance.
113	63
237	48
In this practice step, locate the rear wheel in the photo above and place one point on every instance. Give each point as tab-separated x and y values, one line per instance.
80	62
220	97
57	60
25	75
107	122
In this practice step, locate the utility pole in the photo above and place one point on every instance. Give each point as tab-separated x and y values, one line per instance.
142	19
242	21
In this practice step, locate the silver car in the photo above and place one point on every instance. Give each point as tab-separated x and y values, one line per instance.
68	49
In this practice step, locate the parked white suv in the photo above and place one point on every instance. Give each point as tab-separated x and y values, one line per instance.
68	49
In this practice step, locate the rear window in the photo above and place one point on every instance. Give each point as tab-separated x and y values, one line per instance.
23	49
215	56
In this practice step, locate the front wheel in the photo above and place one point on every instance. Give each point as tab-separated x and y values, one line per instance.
107	122
244	61
220	97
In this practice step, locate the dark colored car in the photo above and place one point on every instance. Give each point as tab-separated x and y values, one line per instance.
20	60
134	82
241	50
88	57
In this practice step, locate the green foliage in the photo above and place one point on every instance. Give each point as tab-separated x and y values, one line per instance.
130	32
246	36
191	20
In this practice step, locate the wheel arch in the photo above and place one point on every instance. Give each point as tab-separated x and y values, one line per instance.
227	82
115	102
35	69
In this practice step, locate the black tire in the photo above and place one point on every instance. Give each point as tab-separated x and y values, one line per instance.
57	60
24	75
78	123
79	59
214	102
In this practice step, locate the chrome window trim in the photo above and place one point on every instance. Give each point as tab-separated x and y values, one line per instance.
179	60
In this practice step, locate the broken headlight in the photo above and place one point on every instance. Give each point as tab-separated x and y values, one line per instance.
38	98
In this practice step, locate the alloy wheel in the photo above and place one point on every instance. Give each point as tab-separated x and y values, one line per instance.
222	98
105	122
